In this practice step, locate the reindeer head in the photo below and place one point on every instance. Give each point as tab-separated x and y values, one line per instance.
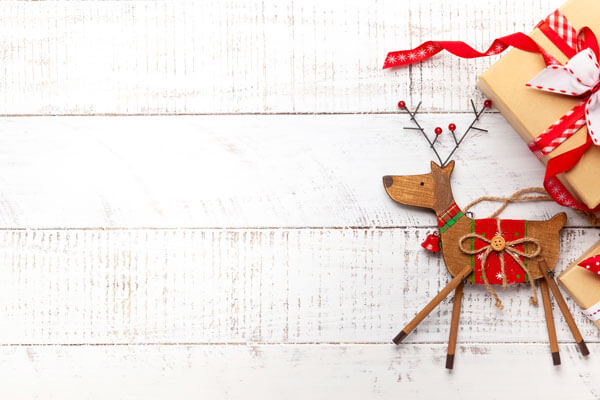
430	190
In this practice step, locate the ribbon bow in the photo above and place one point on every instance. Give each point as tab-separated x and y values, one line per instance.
580	76
501	246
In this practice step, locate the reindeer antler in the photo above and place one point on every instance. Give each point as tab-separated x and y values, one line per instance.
451	127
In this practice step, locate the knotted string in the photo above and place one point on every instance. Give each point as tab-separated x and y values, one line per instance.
509	247
517	197
511	250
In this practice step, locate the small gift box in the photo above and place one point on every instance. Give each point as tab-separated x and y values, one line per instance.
549	110
582	281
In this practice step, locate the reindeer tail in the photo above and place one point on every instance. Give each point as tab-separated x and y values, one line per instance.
558	221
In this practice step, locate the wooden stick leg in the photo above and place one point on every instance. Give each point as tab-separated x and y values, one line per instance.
454	325
432	304
550	321
563	308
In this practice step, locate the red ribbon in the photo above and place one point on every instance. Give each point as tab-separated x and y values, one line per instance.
585	39
429	49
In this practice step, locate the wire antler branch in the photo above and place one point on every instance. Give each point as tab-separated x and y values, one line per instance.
412	114
457	142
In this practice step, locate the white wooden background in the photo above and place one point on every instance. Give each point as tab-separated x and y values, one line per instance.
191	205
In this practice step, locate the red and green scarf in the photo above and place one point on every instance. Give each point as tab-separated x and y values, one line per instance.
449	217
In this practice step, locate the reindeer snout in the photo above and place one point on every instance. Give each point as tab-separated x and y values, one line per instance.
388	181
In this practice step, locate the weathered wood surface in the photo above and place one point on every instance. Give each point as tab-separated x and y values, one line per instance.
245	256
241	285
172	57
246	171
358	371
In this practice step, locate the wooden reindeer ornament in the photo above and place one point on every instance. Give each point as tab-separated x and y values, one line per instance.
487	251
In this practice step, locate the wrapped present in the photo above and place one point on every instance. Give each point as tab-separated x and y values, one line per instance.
547	87
582	282
538	109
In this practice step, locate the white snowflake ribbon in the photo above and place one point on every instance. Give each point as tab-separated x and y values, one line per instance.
581	75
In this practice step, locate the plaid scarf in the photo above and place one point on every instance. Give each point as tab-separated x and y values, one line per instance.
449	217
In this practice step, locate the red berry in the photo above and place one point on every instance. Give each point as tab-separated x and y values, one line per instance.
451	127
438	131
487	103
401	104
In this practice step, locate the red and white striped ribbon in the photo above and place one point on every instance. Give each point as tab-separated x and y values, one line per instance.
539	148
563	28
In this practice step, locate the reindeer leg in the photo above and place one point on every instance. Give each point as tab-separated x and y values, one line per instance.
550	321
454	325
563	307
432	304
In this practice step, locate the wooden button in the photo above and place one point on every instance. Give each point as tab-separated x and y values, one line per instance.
498	243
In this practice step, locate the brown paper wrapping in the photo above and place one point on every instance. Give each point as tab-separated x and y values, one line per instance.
583	285
531	111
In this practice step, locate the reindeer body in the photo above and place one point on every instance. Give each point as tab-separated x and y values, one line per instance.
433	191
469	250
547	232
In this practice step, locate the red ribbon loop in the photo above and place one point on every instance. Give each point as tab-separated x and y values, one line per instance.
566	161
587	40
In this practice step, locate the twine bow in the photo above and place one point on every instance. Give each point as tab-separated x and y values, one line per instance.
499	245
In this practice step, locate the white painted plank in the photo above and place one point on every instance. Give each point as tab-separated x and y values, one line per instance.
490	371
167	57
245	171
239	286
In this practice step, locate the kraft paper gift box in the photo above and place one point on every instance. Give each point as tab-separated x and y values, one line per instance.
531	111
584	286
